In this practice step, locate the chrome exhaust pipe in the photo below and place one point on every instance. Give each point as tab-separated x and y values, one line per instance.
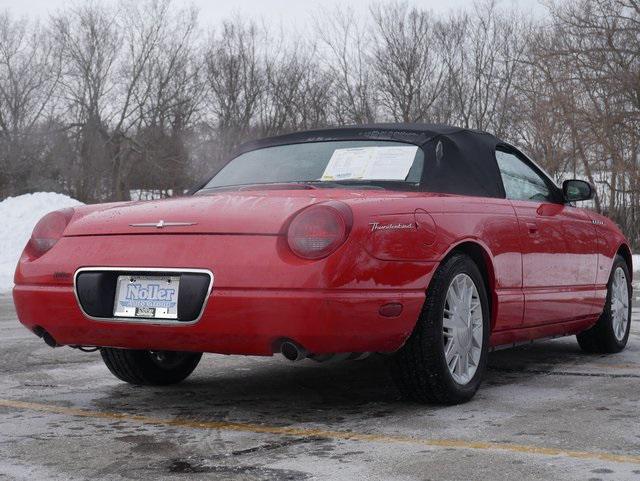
291	351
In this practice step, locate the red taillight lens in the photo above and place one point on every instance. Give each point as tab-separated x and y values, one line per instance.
319	230
48	231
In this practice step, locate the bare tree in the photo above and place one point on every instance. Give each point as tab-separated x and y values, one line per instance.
29	72
236	80
597	50
483	52
161	92
344	42
408	66
88	40
297	91
107	99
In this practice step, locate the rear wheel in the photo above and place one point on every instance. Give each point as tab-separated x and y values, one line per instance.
152	368
445	358
611	333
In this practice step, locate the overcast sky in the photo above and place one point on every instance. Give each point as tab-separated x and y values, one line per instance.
286	12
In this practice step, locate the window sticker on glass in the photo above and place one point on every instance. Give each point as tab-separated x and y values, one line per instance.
390	163
347	164
370	163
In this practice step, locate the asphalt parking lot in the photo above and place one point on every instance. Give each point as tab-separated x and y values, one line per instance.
545	411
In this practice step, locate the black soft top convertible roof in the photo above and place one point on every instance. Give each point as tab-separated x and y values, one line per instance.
457	160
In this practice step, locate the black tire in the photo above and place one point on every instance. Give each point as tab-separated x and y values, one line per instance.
419	368
601	337
150	368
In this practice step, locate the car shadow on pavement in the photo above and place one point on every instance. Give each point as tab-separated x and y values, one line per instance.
276	391
268	390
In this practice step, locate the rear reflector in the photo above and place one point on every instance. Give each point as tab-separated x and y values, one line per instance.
393	309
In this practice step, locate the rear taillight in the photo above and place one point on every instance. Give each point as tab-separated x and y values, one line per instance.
48	231
319	230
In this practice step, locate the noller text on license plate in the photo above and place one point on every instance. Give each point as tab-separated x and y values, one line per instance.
149	297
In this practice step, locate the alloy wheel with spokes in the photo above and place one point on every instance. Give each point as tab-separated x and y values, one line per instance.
620	304
610	333
445	358
462	328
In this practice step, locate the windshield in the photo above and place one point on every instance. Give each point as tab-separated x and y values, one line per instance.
378	164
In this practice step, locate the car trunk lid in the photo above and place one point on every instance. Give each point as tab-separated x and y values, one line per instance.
223	213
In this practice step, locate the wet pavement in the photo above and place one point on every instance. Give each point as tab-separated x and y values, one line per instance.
545	411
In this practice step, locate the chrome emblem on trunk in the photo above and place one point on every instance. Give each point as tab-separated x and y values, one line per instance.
161	224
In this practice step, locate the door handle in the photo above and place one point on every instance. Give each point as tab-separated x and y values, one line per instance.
533	227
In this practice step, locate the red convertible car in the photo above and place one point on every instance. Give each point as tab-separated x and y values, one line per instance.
431	244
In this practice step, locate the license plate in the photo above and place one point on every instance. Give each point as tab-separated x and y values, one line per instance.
147	297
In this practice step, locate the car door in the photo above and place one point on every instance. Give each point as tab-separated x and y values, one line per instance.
559	258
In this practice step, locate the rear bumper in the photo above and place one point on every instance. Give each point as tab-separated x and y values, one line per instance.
261	294
237	321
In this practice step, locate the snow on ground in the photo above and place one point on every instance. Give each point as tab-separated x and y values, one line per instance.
18	216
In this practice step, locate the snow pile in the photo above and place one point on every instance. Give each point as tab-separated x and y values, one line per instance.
18	216
636	262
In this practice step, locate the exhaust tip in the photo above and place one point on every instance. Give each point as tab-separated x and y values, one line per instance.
49	340
45	336
291	351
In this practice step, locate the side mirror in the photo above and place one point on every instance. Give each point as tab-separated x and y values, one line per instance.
576	190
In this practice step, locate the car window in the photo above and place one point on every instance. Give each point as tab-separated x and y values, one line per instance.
521	182
385	164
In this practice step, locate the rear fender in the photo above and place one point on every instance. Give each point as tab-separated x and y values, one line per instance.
481	255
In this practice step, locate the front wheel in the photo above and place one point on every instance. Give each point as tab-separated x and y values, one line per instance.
611	333
445	358
151	368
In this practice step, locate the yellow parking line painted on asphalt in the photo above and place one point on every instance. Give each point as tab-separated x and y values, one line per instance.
308	432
